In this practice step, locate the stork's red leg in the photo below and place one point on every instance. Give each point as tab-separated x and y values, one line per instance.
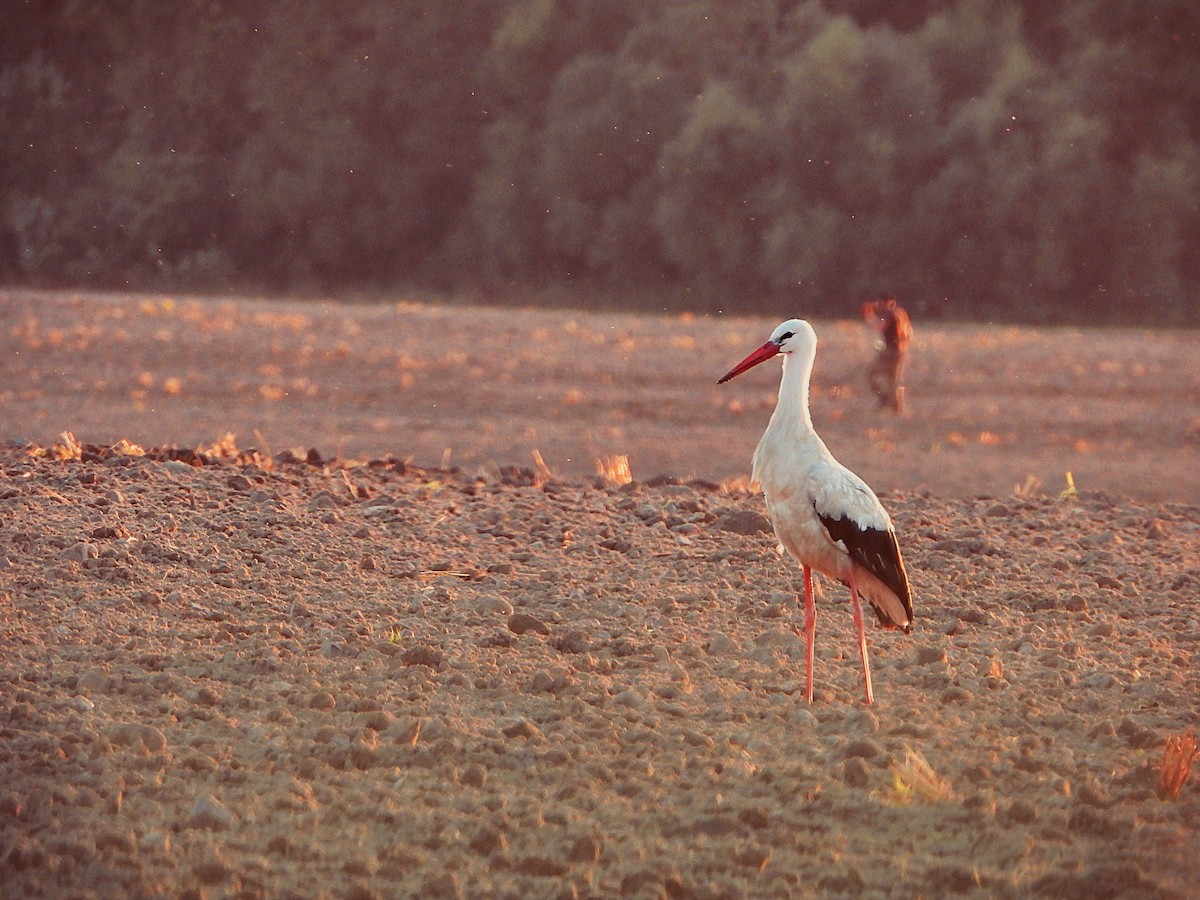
810	631
862	642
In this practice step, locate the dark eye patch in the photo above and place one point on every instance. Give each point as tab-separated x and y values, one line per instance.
785	336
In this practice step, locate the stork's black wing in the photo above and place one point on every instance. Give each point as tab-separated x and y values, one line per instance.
877	551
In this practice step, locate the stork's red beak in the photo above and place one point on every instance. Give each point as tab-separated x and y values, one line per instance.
762	354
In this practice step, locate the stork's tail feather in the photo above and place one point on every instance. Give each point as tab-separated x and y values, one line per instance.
891	610
897	618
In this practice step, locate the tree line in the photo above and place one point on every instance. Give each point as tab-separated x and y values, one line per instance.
1001	160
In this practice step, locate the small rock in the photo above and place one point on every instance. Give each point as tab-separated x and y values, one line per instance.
152	739
209	812
205	696
423	655
212	871
408	733
540	866
156	842
489	606
488	840
955	695
523	623
322	500
855	772
573	641
721	644
586	849
119	841
474	776
239	482
521	728
1087	795
1090	820
80	552
743	521
93	681
1075	603
1020	812
753	856
953	878
755	817
138	737
929	655
322	700
549	682
444	884
862	749
803	718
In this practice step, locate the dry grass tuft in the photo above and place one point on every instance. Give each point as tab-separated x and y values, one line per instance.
1030	488
1178	756
125	447
68	449
1069	492
614	469
541	472
224	447
738	485
914	779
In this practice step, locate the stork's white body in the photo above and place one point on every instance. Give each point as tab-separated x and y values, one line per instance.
823	514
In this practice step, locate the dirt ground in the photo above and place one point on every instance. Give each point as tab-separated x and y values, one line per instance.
992	409
414	663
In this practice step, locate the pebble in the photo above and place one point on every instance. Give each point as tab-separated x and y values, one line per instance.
492	605
803	718
474	775
322	700
156	842
928	655
1019	812
321	500
375	720
407	733
93	681
520	728
138	737
855	772
80	552
586	849
743	521
209	812
523	623
861	748
722	645
239	482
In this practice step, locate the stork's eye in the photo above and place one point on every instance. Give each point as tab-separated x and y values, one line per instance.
787	335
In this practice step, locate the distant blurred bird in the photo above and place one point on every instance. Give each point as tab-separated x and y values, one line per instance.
824	515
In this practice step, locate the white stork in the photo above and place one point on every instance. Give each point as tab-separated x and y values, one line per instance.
824	515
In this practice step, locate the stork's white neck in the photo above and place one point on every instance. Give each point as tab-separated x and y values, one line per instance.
791	410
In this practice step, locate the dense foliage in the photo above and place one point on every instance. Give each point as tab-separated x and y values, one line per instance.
999	159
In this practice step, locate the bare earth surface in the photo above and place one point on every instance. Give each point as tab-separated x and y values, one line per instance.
269	673
476	388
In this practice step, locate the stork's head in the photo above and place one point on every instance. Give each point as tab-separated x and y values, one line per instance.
788	337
